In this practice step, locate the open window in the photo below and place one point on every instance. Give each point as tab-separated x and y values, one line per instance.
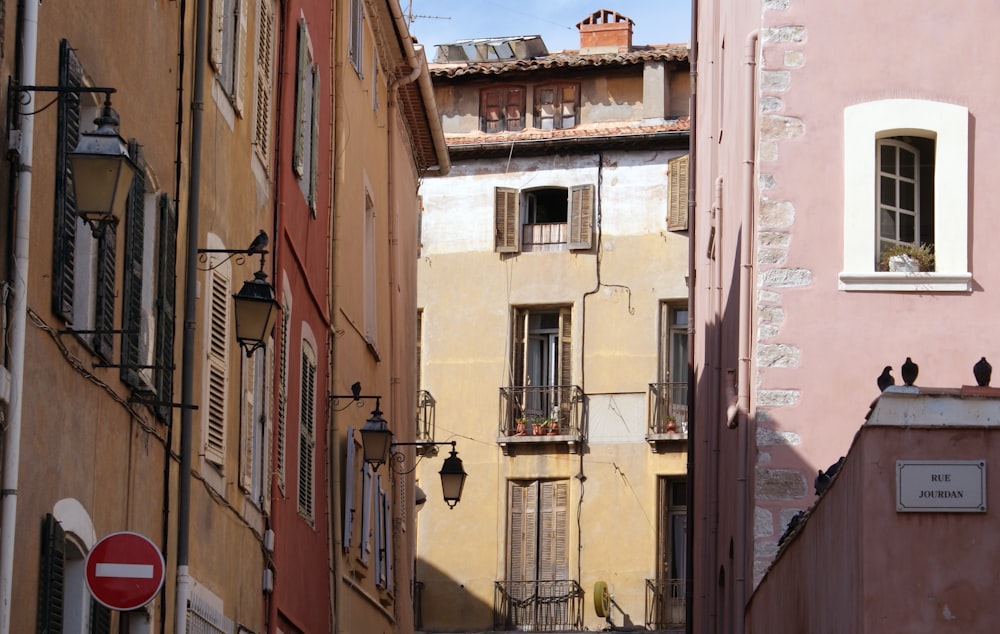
557	106
501	109
906	166
543	218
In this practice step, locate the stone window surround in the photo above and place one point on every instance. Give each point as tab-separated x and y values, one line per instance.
948	124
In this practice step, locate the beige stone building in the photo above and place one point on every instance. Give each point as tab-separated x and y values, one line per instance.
552	330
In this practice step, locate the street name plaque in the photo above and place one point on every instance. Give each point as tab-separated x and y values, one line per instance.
951	486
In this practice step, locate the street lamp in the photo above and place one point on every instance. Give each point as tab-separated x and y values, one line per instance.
102	170
256	310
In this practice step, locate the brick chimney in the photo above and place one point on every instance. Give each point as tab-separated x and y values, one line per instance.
605	31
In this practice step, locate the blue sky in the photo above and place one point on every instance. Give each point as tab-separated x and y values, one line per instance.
656	21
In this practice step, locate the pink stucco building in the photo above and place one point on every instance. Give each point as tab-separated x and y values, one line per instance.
825	134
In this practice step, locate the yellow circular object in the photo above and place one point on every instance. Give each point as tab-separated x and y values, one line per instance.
602	599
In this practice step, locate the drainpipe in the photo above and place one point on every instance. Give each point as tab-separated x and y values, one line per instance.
692	392
747	250
190	297
19	313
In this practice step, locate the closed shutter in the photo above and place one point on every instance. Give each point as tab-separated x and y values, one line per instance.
104	311
132	281
379	533
166	285
507	219
565	346
247	427
307	434
302	75
218	362
100	618
552	557
239	76
314	144
51	577
265	48
366	512
218	28
677	213
265	384
522	525
67	137
282	394
581	216
387	529
349	489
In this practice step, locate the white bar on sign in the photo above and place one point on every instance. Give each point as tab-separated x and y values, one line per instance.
131	571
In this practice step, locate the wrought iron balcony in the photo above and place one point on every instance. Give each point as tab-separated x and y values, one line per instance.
668	413
547	414
666	607
537	606
426	409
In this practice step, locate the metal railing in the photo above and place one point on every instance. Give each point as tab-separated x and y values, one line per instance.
537	606
668	412
426	409
665	604
554	410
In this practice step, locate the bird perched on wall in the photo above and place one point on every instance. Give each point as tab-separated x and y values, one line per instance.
982	371
885	379
909	371
259	244
823	479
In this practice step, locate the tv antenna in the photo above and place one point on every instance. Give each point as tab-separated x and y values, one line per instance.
411	16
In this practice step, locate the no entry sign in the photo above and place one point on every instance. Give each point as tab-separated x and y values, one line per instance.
124	571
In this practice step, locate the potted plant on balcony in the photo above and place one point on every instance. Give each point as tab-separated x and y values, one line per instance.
671	421
552	427
907	258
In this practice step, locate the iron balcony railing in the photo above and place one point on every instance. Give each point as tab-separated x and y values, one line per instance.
553	410
426	409
665	604
668	412
537	606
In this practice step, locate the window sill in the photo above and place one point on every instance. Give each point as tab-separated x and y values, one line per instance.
906	282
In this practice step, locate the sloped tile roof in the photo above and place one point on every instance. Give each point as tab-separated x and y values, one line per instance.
563	59
621	130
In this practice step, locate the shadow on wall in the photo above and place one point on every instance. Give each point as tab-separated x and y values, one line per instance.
442	603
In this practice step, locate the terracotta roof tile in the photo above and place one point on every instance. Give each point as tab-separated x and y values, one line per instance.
562	59
681	124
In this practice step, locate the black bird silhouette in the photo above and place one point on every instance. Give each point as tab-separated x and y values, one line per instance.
259	243
356	389
821	482
885	379
909	371
983	371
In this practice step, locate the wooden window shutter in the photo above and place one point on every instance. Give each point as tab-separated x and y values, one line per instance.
104	318
51	577
387	529
522	522
100	618
132	282
235	59
349	470
302	74
282	395
566	346
507	219
265	56
67	137
166	285
218	362
677	212
265	382
581	216
247	420
314	144
378	535
518	350
552	559
218	28
514	109
307	434
365	538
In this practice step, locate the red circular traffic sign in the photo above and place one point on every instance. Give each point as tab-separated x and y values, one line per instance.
124	571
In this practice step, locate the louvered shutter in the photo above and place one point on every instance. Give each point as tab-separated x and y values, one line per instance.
239	74
132	280
552	558
507	219
523	523
387	529
218	28
349	489
519	351
307	434
51	577
218	362
104	317
379	534
265	372
282	394
100	618
314	144
565	346
247	427
581	216
67	137
301	125
166	285
265	54
677	213
366	513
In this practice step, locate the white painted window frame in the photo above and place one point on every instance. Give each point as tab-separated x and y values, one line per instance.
948	124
